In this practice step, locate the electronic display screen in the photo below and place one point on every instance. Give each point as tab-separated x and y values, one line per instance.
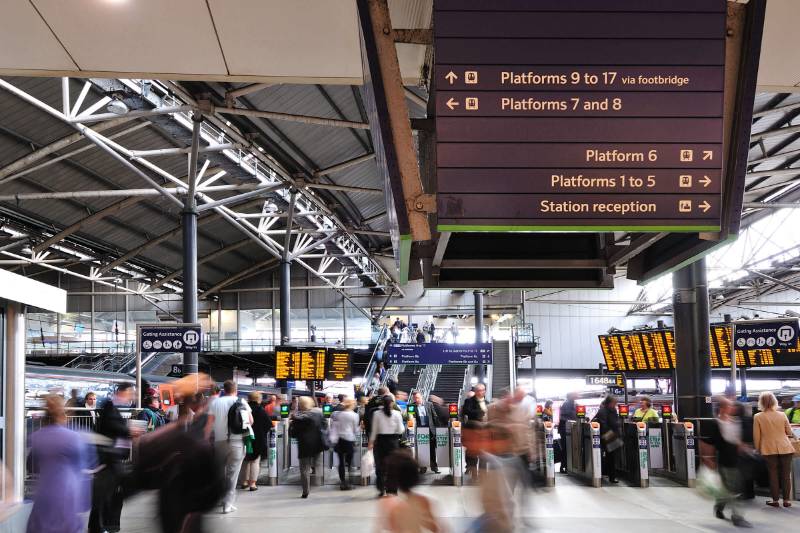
313	363
654	349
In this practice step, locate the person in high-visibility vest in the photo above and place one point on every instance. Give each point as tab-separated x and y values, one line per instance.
793	413
645	412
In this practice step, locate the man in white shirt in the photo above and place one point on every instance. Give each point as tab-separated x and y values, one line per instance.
226	444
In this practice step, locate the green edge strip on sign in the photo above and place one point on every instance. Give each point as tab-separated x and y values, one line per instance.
476	228
405	257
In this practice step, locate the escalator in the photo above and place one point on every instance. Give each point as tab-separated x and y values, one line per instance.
449	383
503	373
408	378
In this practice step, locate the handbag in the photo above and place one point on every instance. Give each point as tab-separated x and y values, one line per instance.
367	464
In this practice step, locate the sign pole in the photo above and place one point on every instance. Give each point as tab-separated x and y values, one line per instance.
138	367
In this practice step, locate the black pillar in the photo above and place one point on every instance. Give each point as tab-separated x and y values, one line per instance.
481	372
286	301
189	224
690	310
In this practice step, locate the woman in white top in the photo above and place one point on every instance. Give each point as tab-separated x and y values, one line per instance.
344	431
387	428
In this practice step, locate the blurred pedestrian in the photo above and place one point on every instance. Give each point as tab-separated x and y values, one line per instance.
725	437
771	433
61	459
232	419
547	412
410	512
306	427
512	439
344	432
262	425
566	412
74	400
610	436
645	412
113	450
386	430
473	417
793	412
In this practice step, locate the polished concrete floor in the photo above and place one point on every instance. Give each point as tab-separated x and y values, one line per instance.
570	506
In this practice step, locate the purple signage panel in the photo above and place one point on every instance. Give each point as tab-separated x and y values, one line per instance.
439	353
579	115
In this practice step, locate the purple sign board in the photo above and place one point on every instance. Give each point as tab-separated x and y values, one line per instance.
439	353
601	105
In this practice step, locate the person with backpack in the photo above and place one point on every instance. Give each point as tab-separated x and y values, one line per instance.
151	413
232	419
307	427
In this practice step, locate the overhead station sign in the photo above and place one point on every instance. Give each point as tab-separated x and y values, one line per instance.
579	115
439	353
169	338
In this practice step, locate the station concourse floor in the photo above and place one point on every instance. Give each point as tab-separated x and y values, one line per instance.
570	506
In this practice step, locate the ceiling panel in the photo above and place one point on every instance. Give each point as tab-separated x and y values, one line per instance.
136	36
26	42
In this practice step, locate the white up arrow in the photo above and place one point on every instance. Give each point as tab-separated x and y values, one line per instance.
705	206
451	77
452	104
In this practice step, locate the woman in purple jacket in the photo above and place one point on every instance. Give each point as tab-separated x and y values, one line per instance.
63	489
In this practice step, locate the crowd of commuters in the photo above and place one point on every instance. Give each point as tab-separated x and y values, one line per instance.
218	441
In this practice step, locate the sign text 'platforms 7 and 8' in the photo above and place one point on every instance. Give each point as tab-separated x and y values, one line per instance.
579	115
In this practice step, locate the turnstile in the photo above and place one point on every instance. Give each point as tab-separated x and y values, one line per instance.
673	451
633	461
582	451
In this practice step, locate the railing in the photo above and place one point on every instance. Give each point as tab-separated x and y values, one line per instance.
466	385
392	373
427	380
523	333
78	347
377	355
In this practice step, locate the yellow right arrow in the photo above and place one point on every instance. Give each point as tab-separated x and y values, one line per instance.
706	181
705	206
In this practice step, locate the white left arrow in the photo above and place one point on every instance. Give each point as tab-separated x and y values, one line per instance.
705	206
452	104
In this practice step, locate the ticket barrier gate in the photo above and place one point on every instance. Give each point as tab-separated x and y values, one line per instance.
449	450
673	451
633	459
582	451
544	461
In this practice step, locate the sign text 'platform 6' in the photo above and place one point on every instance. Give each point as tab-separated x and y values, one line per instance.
576	115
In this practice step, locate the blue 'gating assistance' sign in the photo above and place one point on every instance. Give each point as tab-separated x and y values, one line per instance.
173	338
439	353
765	334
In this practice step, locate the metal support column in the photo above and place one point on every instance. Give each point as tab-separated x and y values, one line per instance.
481	371
14	402
690	305
189	223
286	300
91	321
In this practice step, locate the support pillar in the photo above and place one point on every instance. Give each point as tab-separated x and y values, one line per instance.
690	309
481	370
14	402
286	300
189	223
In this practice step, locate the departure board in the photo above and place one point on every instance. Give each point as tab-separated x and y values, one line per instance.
654	349
313	363
339	365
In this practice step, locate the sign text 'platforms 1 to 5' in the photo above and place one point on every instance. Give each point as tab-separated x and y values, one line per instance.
579	115
439	353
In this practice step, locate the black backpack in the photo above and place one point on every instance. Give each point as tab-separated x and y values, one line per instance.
236	414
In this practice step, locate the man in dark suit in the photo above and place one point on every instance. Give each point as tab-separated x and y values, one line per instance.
115	448
427	416
473	417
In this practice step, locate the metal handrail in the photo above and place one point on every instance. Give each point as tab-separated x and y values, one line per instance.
465	386
427	380
372	365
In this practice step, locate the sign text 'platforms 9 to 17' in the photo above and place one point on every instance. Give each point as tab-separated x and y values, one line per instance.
579	115
439	353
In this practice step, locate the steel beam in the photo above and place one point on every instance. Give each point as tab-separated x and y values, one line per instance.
523	264
233	94
344	188
345	164
201	260
91	219
239	197
114	193
636	246
303	119
239	276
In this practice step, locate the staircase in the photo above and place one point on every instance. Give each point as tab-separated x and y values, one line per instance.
449	383
407	379
503	376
